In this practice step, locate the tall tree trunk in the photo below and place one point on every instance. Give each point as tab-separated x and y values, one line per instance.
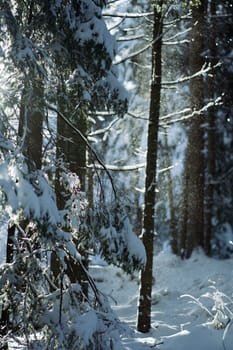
31	122
211	149
72	150
144	309
195	148
172	226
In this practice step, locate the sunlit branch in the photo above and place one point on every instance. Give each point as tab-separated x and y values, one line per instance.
205	69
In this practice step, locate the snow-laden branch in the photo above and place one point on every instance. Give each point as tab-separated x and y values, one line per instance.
205	69
136	116
130	38
177	20
127	15
116	24
133	54
183	111
132	167
118	167
103	130
170	40
178	42
195	113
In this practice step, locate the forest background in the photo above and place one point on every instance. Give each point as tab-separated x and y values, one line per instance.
99	141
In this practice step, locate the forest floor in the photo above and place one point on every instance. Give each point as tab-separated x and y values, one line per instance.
192	302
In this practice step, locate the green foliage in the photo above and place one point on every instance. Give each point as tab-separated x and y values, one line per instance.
59	43
191	3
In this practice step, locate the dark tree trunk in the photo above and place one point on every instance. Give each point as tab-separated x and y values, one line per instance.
195	149
211	147
31	123
144	309
72	150
173	225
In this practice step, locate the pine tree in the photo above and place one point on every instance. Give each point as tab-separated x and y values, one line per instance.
35	39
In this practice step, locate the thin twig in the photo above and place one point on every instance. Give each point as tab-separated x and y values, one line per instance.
52	108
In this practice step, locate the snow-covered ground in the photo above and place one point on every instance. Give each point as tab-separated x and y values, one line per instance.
191	301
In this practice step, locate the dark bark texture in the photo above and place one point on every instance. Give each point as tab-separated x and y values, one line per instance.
144	309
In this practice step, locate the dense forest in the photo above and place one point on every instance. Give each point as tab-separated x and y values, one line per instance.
116	137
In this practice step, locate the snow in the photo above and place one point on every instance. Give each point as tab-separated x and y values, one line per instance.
185	294
178	322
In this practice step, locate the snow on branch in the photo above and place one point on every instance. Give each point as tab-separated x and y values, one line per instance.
127	15
205	69
104	130
131	38
198	112
169	41
119	168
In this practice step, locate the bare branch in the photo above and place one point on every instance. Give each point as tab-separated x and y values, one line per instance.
169	41
133	54
168	116
130	38
199	112
119	167
104	130
127	15
117	24
136	116
205	69
52	108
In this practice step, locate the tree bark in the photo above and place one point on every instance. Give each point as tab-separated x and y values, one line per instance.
144	309
211	147
72	150
172	225
31	122
195	149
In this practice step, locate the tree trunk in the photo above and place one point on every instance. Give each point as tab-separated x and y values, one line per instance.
144	309
211	147
172	226
195	148
31	123
72	150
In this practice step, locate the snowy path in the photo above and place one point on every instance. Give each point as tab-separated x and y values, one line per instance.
177	321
